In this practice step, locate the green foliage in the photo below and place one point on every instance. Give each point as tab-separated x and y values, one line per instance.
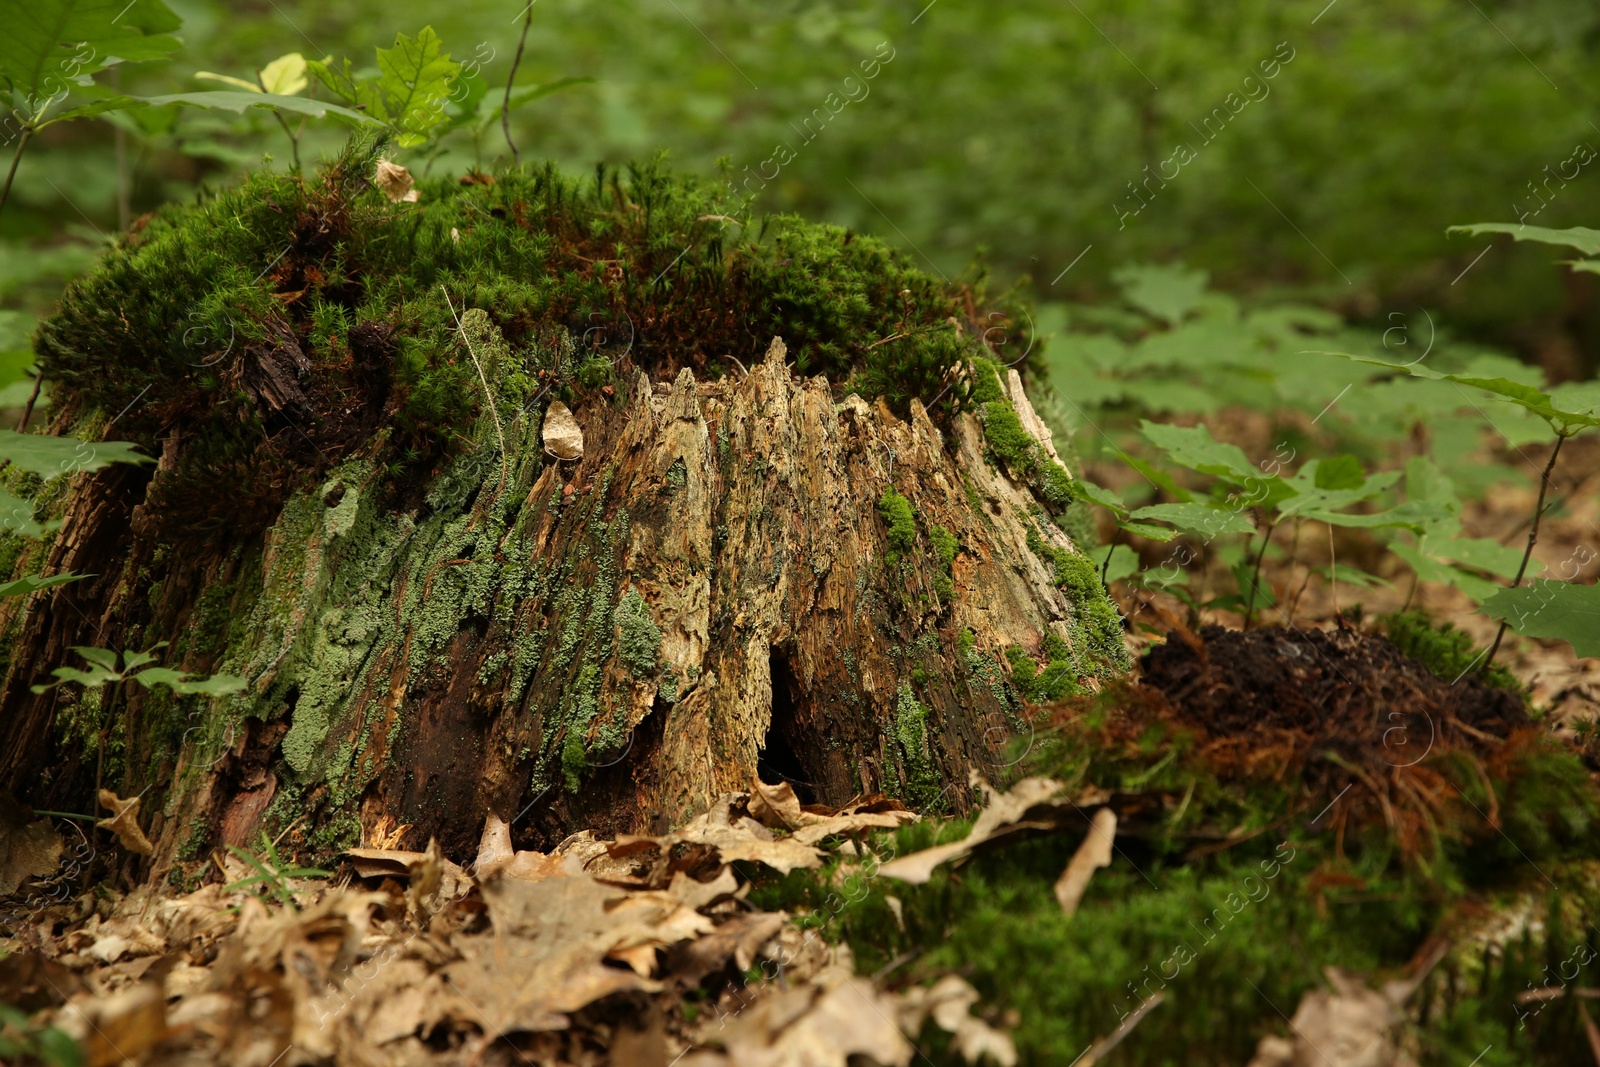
1443	649
238	102
1167	293
51	47
897	516
408	93
103	670
1552	608
51	456
21	1041
1582	238
272	873
32	583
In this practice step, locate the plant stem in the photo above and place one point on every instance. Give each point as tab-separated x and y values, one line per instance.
27	412
1527	553
294	142
16	157
1255	579
505	108
66	815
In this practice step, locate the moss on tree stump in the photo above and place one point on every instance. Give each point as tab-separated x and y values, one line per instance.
815	530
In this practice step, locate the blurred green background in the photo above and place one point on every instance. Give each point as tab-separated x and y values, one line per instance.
1002	133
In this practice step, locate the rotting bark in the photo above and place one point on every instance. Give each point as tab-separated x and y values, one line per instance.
607	643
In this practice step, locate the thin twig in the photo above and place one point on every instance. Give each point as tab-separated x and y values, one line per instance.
1255	579
1095	1052
27	412
1527	553
487	392
505	108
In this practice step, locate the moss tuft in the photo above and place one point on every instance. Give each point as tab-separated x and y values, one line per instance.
911	731
1011	443
321	282
1443	649
897	514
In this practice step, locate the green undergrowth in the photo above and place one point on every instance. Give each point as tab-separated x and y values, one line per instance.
203	311
1543	808
1231	942
1447	652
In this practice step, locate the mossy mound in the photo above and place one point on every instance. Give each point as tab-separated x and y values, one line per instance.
282	322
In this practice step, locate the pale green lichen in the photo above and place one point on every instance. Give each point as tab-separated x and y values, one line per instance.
639	640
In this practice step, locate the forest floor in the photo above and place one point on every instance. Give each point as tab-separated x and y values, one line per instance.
767	933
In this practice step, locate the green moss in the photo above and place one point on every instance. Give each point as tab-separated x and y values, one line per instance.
574	759
1023	670
1010	442
911	731
179	307
986	385
1444	650
897	515
640	642
1056	485
1096	625
1198	933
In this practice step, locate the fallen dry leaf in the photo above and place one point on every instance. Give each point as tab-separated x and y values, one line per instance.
118	1028
739	939
395	182
562	436
950	1001
545	956
1349	1025
817	1026
29	848
413	867
496	857
124	822
1092	854
1005	813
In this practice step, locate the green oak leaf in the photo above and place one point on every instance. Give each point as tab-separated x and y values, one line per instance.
32	583
1196	517
49	46
1582	238
45	455
228	100
410	92
1547	608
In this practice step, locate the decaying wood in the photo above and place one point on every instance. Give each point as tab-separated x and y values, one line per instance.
610	641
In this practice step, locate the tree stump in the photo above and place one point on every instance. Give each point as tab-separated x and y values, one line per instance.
746	571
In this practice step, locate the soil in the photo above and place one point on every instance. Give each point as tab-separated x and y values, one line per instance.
1340	687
